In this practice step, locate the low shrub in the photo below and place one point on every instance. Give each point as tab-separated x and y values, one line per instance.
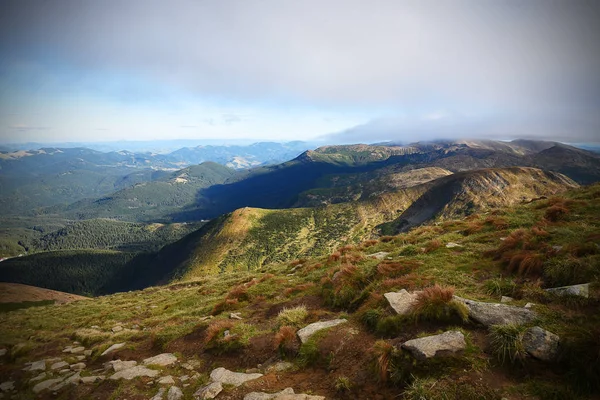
506	342
556	212
343	384
286	341
238	336
292	316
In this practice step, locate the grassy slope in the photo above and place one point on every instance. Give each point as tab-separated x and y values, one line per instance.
350	353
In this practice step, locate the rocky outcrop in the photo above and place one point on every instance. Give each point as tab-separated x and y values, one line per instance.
305	333
541	344
582	290
401	301
490	314
430	346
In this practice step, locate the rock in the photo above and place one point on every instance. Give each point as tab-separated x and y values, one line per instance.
541	343
73	379
557	248
187	366
209	391
38	378
234	315
285	394
429	346
163	360
135	372
118	365
490	314
92	379
112	348
529	305
3	352
231	378
379	256
94	327
76	350
47	384
226	333
80	358
117	328
401	301
65	371
184	378
7	386
305	333
582	290
174	393
166	380
159	395
59	365
87	353
506	299
67	349
451	245
280	367
37	366
77	367
205	318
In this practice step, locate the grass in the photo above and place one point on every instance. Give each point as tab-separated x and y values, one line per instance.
6	307
506	342
292	316
436	303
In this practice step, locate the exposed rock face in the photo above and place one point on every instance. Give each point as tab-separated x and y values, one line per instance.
134	372
47	384
582	290
285	394
37	366
174	393
231	378
209	391
161	359
429	346
305	333
401	301
112	348
541	343
490	314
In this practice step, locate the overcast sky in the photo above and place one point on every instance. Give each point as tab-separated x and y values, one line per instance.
347	71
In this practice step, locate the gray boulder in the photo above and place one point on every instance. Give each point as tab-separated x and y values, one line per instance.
162	359
490	314
47	384
232	378
37	366
209	391
429	346
112	348
285	394
118	365
582	290
174	393
134	372
305	333
159	394
402	301
77	367
541	344
7	386
166	380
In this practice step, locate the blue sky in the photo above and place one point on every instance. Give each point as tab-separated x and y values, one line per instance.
343	71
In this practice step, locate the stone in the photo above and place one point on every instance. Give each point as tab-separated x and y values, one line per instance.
379	256
47	384
234	315
231	378
506	299
77	367
582	290
64	371
117	328
280	367
401	301
134	372
159	395
38	378
209	391
87	353
205	318
187	366
166	380
174	393
163	360
76	350
3	352
67	349
118	365
94	327
59	365
92	379
429	346
37	366
541	344
184	378
490	314
112	348
80	358
529	305
451	245
305	333
7	386
73	379
285	394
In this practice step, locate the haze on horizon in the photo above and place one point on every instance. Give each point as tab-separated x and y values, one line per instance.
335	70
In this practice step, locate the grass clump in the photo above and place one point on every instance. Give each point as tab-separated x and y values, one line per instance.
292	316
571	270
507	343
225	336
500	287
309	353
343	384
436	303
286	341
447	389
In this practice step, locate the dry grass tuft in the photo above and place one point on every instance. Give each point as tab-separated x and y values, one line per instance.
498	223
335	257
436	303
386	239
432	245
391	269
383	352
285	340
216	329
556	212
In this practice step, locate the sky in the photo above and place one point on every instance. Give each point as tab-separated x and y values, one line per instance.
342	71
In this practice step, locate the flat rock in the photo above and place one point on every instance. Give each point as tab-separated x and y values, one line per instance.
235	315
77	367
174	393
59	365
7	386
506	299
80	358
209	391
47	384
77	350
118	365
163	360
379	256
401	301
112	348
117	328
285	394
305	333
166	380
529	305
280	366
38	378
540	343
73	379
429	346
135	372
232	378
87	353
490	314
37	366
582	290
92	379
3	352
159	395
451	245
